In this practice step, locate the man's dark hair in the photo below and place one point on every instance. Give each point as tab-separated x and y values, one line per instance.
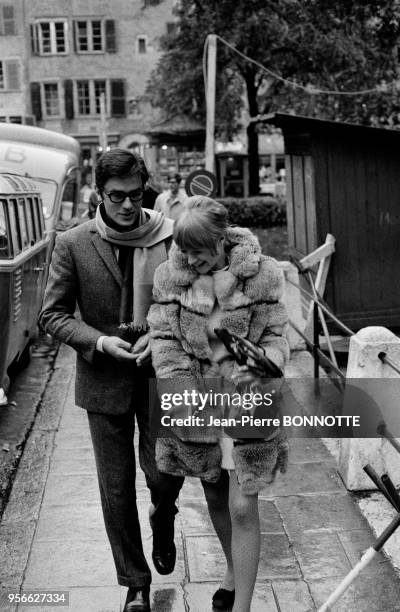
177	177
120	163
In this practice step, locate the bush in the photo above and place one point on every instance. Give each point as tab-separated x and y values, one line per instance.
258	211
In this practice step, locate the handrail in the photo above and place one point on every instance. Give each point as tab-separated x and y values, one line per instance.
323	307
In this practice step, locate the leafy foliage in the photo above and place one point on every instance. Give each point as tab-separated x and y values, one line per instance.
323	45
260	211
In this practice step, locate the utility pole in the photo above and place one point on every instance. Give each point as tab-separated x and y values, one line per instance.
103	124
210	101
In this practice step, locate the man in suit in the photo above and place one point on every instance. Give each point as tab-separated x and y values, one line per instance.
106	267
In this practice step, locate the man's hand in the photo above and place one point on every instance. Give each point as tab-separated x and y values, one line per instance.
118	349
142	351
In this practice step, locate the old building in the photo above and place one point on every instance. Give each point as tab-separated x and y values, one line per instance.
14	101
80	50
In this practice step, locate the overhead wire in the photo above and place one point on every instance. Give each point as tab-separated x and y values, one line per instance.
310	89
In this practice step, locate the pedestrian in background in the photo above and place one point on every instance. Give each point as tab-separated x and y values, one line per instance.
87	191
106	267
171	202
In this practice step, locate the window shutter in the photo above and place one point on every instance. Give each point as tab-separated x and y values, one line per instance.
69	99
75	35
118	98
8	20
34	39
13	74
111	39
36	101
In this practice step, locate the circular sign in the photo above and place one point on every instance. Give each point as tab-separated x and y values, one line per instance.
201	182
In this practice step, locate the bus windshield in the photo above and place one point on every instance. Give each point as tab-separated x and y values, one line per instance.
48	191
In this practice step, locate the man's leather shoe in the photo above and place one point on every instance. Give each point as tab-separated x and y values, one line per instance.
164	550
164	558
137	600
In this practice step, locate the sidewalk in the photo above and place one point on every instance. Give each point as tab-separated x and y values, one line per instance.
52	535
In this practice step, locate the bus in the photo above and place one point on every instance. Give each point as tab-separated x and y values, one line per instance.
24	246
52	161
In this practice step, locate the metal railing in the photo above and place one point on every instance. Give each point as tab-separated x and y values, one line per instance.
319	305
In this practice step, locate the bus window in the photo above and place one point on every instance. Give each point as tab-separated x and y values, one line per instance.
37	206
25	209
36	231
14	228
22	224
35	212
4	241
48	191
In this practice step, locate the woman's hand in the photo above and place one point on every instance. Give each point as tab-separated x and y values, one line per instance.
141	350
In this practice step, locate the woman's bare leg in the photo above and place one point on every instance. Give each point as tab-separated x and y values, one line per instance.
245	543
217	496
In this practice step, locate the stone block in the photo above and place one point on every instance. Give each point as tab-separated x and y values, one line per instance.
330	511
292	595
321	555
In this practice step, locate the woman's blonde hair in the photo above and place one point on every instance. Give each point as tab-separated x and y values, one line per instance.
201	224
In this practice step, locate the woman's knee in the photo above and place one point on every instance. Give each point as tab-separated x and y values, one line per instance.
243	508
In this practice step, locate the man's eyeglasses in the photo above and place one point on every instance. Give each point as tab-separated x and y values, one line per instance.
117	197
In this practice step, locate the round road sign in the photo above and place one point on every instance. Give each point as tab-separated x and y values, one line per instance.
201	182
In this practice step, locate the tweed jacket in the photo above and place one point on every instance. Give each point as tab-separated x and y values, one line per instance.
84	272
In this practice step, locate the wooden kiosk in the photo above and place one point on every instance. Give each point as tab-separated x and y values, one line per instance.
344	180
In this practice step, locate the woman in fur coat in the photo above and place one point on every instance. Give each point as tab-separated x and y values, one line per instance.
217	277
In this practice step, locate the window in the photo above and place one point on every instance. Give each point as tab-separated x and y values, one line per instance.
50	37
99	88
4	239
7	20
89	36
142	44
88	96
10	74
51	100
22	221
23	203
14	230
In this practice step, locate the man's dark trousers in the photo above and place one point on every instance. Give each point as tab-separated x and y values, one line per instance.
112	437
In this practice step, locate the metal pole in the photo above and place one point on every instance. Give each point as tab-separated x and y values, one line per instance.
369	470
367	557
316	348
103	124
210	100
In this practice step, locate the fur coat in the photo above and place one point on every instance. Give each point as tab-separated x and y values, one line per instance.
248	293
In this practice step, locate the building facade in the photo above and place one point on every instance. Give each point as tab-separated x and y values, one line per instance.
84	51
81	68
14	99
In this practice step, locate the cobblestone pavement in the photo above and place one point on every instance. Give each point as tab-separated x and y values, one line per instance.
52	535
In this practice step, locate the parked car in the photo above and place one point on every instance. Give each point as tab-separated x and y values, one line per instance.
24	244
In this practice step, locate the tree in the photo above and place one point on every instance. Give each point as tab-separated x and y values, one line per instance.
342	46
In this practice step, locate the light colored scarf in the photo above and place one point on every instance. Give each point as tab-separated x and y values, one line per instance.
150	251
